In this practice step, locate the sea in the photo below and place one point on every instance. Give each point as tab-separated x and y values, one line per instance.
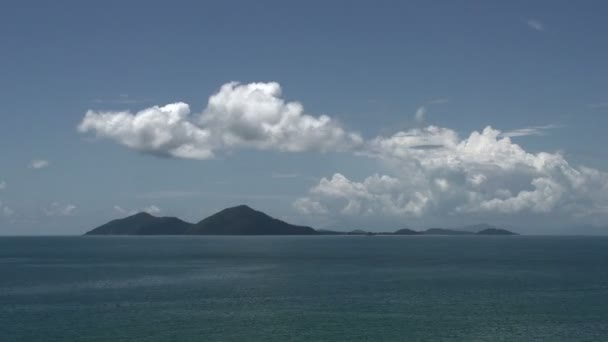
303	288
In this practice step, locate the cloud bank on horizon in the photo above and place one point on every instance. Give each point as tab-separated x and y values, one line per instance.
425	171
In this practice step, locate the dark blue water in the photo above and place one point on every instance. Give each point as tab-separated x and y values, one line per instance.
319	288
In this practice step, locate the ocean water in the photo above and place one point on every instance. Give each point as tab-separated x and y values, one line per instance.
305	288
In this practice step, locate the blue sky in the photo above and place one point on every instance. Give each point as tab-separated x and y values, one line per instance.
535	71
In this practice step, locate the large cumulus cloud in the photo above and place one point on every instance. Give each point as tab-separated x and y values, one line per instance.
431	171
238	116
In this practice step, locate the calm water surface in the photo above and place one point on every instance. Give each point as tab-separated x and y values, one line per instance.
318	288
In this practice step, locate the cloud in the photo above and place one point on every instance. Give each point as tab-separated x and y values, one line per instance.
528	131
120	209
420	115
58	209
424	172
39	164
238	116
536	24
5	211
278	175
309	207
439	101
485	173
151	209
376	195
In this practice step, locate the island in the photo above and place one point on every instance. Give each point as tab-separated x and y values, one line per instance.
495	231
444	231
407	231
243	220
239	220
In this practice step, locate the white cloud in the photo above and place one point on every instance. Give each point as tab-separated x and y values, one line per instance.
59	209
439	101
5	211
431	171
239	116
376	195
420	115
279	175
426	172
39	164
528	131
151	209
536	24
309	207
120	209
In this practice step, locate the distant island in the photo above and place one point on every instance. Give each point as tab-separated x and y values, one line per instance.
243	220
487	230
239	220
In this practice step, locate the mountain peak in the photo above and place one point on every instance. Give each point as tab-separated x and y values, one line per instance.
241	208
495	231
142	214
143	224
243	220
479	227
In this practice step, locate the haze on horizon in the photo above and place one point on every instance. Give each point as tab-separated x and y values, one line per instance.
366	115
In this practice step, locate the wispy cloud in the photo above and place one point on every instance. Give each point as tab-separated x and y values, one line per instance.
535	24
120	209
58	209
420	115
439	101
5	211
151	209
528	131
39	164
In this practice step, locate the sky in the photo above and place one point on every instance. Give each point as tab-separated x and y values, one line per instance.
373	115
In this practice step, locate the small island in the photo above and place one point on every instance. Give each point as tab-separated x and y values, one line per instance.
243	220
495	231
